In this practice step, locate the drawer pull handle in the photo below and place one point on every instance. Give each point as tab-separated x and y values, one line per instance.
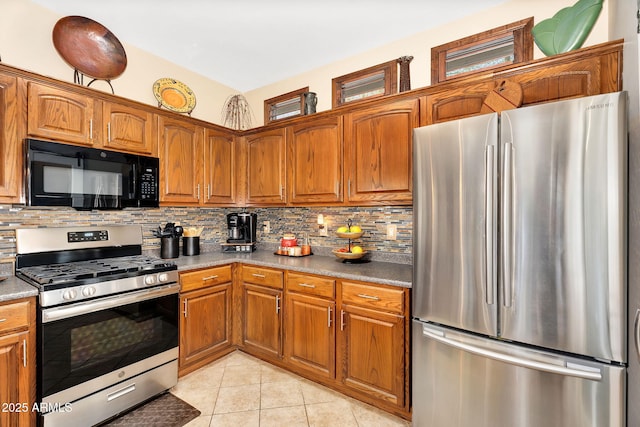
3	320
121	392
215	276
306	285
262	276
371	297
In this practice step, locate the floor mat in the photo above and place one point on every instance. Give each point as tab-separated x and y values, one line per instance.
164	411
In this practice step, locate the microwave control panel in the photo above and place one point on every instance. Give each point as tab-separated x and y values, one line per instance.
148	184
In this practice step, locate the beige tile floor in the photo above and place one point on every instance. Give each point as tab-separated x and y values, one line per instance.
242	391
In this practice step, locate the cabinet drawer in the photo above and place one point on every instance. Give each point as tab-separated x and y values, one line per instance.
371	296
205	278
262	276
14	315
311	285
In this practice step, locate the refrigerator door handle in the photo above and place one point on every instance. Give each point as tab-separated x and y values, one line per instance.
506	226
636	332
489	215
570	369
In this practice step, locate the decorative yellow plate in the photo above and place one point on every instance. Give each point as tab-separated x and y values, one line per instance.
174	95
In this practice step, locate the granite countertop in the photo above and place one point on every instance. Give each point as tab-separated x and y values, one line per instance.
13	288
387	273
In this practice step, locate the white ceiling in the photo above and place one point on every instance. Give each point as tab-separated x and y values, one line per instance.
246	44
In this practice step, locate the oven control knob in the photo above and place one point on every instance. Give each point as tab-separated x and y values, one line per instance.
69	295
163	277
88	291
150	280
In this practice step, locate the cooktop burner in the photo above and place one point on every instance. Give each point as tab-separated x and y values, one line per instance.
95	270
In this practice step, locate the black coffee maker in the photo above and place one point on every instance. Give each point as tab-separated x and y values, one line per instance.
241	232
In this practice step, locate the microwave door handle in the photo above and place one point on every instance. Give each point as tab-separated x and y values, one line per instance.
133	181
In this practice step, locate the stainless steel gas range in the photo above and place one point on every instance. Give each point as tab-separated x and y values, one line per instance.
107	321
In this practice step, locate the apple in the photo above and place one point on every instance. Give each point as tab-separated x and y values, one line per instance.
343	250
355	229
356	250
343	229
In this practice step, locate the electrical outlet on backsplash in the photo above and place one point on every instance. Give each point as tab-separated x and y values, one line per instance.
299	220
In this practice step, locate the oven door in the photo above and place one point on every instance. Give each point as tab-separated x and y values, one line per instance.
87	346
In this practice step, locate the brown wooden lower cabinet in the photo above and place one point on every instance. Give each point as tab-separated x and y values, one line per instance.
310	334
262	311
372	353
348	335
205	324
17	363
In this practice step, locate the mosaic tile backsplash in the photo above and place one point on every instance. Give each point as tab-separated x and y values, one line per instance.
373	220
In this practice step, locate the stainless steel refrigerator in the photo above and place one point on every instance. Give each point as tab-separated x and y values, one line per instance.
520	287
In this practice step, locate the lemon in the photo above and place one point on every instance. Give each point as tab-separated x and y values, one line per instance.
342	230
356	250
355	229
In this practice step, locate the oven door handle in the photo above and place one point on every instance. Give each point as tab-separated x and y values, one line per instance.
65	312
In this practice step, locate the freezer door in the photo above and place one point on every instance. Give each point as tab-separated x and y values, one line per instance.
563	235
454	207
462	380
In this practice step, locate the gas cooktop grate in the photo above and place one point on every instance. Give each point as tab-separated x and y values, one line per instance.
99	268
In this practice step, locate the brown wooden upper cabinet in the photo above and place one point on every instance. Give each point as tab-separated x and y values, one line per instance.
128	129
314	156
265	168
180	145
61	115
10	152
220	161
378	152
71	117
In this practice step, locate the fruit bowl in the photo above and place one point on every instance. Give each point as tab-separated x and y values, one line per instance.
348	255
349	235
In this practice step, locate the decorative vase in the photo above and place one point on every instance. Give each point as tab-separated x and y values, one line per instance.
310	102
405	79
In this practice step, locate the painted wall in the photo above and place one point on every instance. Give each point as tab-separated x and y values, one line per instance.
25	42
419	46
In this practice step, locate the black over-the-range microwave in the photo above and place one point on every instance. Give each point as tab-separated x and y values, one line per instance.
88	178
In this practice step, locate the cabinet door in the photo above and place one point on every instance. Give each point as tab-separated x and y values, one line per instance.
456	102
205	326
315	161
262	328
372	344
16	381
11	165
266	168
220	168
60	115
563	81
310	334
378	144
128	129
180	146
